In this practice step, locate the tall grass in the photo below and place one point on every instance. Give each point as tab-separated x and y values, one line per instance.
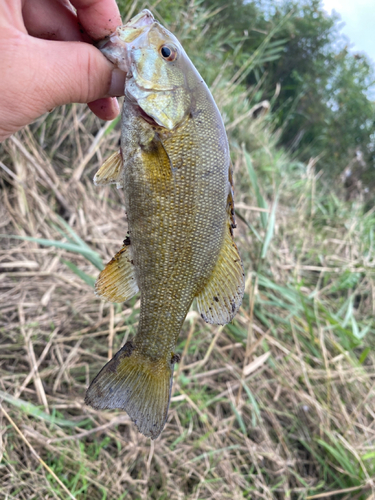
279	404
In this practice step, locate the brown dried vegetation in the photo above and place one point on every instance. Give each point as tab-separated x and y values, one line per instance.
277	405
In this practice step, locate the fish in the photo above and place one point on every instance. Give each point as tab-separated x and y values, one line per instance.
175	169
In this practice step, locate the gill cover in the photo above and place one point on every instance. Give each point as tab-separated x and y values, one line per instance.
156	82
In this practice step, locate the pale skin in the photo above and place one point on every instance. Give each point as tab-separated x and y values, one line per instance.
47	59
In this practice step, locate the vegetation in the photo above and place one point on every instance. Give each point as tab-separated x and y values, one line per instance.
323	106
279	404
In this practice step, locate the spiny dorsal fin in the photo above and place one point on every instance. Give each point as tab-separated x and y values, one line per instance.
137	384
222	295
117	281
111	171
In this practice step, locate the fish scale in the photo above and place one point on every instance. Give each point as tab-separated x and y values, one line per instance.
174	166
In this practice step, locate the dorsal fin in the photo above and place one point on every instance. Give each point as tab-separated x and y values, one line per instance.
117	282
222	295
111	171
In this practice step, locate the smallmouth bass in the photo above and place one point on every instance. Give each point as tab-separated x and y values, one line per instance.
175	168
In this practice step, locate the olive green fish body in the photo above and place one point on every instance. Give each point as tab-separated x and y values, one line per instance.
175	169
176	188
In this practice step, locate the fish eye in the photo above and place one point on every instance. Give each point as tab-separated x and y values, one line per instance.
168	52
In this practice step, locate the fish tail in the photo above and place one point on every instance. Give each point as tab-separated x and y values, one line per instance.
137	384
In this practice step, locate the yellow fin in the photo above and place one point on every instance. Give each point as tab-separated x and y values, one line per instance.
137	384
111	171
117	281
222	295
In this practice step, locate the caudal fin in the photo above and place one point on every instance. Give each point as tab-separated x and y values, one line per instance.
136	384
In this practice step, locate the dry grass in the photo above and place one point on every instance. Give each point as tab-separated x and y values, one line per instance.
253	402
277	405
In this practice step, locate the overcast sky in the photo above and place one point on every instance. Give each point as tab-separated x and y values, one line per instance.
359	19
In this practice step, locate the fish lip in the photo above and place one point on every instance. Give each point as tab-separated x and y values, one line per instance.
116	46
115	51
144	18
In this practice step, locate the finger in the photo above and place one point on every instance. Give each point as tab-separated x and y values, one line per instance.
43	74
52	20
11	15
55	73
99	18
78	72
105	109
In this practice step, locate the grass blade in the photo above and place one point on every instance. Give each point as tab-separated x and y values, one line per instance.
254	181
89	254
89	280
34	411
270	229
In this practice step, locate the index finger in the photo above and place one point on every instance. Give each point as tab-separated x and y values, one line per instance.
99	18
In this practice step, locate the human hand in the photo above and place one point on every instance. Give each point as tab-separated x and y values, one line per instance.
45	62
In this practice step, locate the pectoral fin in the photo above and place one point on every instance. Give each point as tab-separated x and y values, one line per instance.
117	282
222	295
111	171
137	384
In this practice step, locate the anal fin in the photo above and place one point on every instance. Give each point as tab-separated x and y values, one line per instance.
111	171
222	295
117	282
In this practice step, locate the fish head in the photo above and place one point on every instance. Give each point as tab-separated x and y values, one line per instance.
157	68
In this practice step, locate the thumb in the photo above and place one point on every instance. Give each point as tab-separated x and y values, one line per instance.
71	72
93	78
84	75
38	75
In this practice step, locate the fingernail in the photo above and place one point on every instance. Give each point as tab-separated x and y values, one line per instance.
116	107
117	86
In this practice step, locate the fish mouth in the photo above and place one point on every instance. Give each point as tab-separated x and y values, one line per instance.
115	47
144	18
147	118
